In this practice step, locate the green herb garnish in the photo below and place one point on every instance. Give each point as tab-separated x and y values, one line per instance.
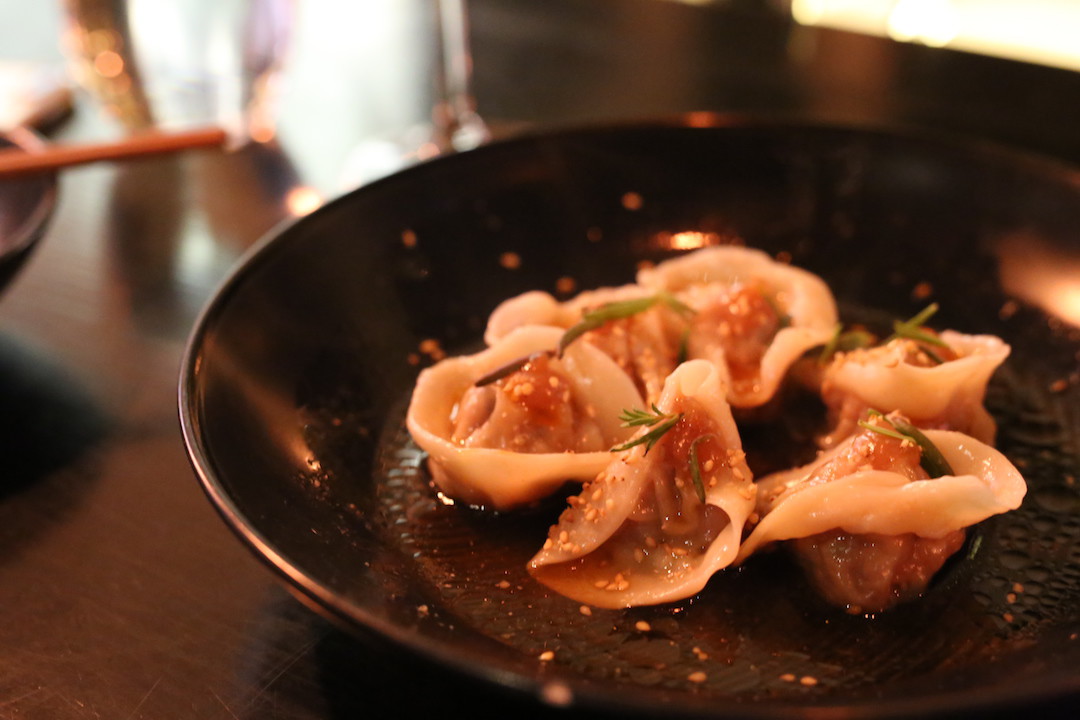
509	368
618	310
684	347
783	320
912	329
635	417
887	431
975	545
695	468
845	341
660	423
931	459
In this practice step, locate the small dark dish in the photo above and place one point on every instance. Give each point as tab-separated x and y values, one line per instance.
26	205
296	379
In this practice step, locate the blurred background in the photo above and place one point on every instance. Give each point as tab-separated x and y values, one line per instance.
329	34
1036	31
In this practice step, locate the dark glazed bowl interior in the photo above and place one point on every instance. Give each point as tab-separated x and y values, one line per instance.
297	376
26	205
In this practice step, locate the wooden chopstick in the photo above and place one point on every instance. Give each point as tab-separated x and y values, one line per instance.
15	161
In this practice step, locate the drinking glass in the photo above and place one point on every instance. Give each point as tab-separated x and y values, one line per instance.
392	79
389	79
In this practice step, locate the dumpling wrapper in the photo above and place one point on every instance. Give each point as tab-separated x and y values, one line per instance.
503	479
801	295
947	396
645	344
985	483
610	549
537	307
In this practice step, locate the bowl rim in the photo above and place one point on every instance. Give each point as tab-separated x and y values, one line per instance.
37	220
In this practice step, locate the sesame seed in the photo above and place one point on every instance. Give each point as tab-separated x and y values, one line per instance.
922	291
808	680
697	677
431	348
557	694
642	626
547	656
632	201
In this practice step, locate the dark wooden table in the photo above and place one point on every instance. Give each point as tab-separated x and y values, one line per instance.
122	594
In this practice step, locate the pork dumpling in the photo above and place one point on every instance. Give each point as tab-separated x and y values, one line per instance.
870	523
754	317
641	332
533	422
666	513
937	387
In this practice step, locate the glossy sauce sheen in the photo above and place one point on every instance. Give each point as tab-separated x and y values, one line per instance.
477	561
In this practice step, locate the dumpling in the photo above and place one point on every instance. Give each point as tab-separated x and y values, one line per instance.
941	387
870	523
534	421
754	317
641	333
750	315
666	513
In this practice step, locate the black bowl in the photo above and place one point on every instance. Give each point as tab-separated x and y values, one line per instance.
297	376
26	205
